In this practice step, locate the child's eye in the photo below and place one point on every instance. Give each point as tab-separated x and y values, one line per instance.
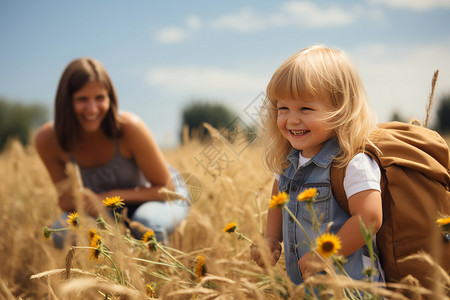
306	108
283	108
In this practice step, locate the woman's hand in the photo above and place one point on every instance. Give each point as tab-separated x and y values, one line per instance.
92	202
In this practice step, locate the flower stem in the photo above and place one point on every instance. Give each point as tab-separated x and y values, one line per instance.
105	254
180	265
241	236
299	225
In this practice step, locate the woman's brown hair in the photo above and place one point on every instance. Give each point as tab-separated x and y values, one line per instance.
76	75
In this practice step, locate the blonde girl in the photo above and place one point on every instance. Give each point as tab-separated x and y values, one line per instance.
316	114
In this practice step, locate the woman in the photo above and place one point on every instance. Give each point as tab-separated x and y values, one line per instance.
116	153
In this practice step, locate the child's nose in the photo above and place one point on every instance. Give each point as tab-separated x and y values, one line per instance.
294	119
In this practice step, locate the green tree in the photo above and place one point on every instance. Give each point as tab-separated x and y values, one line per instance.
16	120
199	112
443	114
397	117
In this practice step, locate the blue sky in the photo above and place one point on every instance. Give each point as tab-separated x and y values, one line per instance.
162	55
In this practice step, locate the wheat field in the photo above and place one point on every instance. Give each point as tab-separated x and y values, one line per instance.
235	187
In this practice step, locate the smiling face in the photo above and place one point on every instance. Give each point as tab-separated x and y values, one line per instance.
301	123
91	104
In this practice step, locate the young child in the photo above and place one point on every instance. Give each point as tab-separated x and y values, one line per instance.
316	115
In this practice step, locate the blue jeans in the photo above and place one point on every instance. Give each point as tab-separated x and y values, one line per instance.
161	216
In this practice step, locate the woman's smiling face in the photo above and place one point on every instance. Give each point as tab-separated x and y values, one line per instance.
91	104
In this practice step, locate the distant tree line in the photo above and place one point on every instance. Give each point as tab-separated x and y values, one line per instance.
198	112
219	116
17	119
442	123
443	114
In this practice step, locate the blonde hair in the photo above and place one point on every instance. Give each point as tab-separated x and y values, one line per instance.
326	74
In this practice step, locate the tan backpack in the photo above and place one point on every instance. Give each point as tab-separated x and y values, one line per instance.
414	163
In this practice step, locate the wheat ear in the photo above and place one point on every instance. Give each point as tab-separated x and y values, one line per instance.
431	98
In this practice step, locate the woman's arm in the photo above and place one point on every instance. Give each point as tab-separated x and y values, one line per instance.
140	145
54	160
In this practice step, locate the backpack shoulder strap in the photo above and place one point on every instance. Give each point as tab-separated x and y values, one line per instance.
337	175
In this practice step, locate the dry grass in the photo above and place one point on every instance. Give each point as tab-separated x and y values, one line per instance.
238	191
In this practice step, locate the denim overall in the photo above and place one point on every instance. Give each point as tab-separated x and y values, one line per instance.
314	174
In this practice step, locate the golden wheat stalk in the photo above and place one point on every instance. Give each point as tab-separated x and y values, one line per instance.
215	134
423	256
167	194
86	284
336	283
61	271
431	98
252	289
194	291
69	261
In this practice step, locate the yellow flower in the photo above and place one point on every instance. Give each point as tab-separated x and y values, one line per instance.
149	239
230	227
307	195
113	202
328	244
73	219
92	233
95	243
444	223
149	288
200	268
278	200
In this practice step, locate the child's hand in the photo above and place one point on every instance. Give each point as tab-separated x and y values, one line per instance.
311	264
275	252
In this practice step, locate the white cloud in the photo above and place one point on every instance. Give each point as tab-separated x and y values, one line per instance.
303	14
244	20
416	5
213	83
308	14
193	22
171	35
398	77
295	13
195	80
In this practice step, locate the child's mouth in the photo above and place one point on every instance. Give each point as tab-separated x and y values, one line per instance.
298	132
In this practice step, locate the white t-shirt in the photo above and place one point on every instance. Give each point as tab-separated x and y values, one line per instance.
362	173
